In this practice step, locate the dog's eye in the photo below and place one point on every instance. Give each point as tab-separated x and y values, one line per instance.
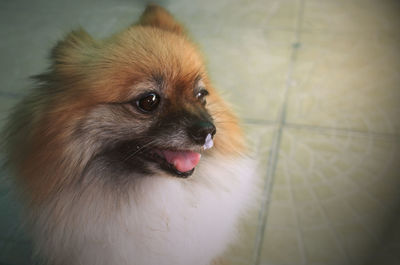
148	102
201	95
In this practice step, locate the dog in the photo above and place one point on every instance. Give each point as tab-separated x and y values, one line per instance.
125	153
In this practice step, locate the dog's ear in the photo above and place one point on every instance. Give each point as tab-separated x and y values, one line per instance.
156	16
72	53
72	47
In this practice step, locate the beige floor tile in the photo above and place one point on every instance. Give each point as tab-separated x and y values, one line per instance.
303	195
247	62
321	247
347	81
242	251
280	180
319	175
324	191
355	15
259	138
237	13
384	191
249	67
310	215
281	215
356	241
339	212
386	258
388	253
281	246
281	195
366	205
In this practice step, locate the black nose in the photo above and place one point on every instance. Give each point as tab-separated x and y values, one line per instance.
200	130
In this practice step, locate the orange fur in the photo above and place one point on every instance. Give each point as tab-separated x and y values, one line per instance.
99	72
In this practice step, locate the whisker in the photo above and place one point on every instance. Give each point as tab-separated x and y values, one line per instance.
138	150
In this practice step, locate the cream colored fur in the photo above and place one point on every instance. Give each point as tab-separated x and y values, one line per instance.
163	221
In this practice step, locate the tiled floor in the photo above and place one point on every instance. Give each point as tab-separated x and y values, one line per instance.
317	84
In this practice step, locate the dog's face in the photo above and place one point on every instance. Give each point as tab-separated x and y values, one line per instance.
154	115
137	104
163	123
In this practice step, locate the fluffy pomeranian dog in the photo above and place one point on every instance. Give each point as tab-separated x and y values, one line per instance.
126	154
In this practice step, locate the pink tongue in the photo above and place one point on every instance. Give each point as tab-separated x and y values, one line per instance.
182	160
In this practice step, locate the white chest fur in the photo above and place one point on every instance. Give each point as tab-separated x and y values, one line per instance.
166	221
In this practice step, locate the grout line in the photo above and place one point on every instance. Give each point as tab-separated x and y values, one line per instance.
299	234
272	163
326	129
258	121
274	153
299	22
329	30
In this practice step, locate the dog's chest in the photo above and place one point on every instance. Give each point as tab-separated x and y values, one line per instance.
186	222
165	222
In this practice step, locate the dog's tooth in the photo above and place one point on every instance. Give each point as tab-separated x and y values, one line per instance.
208	143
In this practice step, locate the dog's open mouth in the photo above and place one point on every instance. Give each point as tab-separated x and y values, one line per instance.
178	162
133	157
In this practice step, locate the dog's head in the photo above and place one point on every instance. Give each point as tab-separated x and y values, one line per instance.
139	102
